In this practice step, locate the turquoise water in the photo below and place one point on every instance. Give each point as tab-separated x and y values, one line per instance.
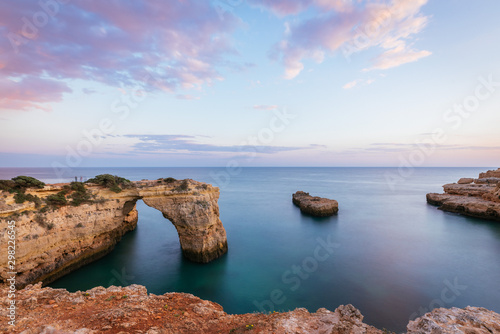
387	252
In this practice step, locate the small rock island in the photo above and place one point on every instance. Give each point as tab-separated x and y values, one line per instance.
315	206
478	198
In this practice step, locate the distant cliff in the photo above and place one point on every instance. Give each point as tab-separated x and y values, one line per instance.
62	227
471	197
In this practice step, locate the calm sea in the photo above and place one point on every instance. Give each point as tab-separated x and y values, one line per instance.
387	252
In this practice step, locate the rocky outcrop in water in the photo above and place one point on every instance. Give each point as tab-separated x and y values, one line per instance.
53	241
471	197
315	206
132	310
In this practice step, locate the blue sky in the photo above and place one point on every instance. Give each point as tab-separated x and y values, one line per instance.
255	82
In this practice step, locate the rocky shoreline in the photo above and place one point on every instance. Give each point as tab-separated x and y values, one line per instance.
132	310
478	198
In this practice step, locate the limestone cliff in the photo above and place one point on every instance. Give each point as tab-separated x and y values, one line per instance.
471	197
52	242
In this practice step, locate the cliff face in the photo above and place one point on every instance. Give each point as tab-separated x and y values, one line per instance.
132	310
471	197
52	243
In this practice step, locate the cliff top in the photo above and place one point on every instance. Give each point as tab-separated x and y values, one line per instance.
24	194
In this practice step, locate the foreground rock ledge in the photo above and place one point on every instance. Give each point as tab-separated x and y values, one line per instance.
132	310
315	206
478	198
51	244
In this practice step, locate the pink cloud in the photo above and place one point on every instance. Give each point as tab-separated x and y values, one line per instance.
350	29
398	56
30	93
180	44
287	7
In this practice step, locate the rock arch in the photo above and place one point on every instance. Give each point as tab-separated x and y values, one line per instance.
195	215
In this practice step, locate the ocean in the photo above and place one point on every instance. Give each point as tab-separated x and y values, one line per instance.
387	252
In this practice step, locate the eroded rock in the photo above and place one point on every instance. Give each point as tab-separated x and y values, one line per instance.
475	320
315	206
479	199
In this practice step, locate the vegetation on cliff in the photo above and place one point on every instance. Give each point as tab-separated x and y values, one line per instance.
167	180
113	183
18	186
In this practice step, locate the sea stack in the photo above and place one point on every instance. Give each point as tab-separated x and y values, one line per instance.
478	198
315	206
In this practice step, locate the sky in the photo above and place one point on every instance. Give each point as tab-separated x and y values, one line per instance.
249	83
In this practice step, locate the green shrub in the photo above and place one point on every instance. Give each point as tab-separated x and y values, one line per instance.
58	199
78	187
115	188
7	185
80	194
112	182
19	197
23	182
169	180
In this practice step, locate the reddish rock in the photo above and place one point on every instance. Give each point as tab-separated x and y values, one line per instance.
132	310
465	180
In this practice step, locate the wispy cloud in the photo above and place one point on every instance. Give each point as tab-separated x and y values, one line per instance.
265	107
187	97
153	44
358	82
349	27
404	147
147	144
398	56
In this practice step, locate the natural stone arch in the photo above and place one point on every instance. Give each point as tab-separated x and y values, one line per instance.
194	214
